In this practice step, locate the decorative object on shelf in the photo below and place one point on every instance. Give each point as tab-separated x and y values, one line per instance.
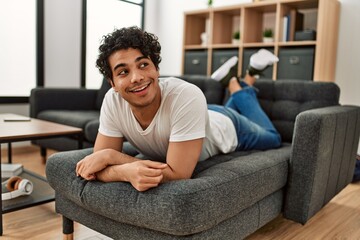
268	35
236	38
305	35
204	38
210	3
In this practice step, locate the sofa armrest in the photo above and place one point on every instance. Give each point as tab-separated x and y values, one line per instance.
323	158
61	99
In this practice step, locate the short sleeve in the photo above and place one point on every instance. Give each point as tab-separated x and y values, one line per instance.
108	119
189	115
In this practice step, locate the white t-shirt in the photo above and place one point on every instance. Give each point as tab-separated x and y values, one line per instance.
182	116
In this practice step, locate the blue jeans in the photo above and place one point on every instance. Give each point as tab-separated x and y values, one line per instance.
254	129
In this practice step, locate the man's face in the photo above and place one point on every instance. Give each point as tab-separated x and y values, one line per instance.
135	77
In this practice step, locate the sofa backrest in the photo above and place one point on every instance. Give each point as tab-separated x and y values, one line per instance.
213	90
282	100
105	86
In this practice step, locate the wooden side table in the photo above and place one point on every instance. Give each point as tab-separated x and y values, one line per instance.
16	128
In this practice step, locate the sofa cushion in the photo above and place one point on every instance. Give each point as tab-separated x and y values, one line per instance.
91	130
221	188
72	118
237	227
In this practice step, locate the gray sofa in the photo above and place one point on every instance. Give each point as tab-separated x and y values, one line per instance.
229	196
77	107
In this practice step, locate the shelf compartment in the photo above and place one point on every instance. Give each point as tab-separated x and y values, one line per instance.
297	16
195	24
257	18
229	18
196	62
296	63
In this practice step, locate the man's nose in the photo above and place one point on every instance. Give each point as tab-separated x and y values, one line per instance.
137	76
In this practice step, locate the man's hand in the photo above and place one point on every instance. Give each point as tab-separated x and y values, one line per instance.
106	166
93	163
142	174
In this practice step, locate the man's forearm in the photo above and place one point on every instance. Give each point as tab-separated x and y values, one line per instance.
113	157
170	175
119	158
141	174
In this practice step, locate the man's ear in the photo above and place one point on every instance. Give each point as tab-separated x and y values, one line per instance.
110	81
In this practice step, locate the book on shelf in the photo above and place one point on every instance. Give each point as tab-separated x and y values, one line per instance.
292	22
8	170
285	28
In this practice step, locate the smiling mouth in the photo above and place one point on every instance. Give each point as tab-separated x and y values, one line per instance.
139	89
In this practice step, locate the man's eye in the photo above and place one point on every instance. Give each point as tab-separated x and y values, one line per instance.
123	72
142	65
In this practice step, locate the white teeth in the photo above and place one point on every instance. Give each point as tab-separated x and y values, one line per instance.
139	89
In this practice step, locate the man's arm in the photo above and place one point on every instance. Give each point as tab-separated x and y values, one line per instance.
105	142
181	159
109	164
101	158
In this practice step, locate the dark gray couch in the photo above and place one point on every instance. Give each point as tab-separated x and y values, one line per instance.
77	107
229	196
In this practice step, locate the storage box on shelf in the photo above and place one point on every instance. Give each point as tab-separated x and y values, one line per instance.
297	26
220	56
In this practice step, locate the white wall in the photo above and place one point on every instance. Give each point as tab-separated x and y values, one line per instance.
348	54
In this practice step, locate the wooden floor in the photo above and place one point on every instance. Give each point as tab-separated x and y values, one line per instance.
339	219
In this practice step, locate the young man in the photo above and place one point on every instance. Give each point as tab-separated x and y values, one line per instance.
167	119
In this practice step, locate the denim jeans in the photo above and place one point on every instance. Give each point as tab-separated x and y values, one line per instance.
254	129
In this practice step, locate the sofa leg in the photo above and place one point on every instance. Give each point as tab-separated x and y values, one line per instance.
43	154
68	236
68	228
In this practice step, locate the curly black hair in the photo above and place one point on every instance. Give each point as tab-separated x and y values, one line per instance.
125	38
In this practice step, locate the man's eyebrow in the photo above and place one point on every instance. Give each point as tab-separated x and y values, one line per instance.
140	58
124	64
119	65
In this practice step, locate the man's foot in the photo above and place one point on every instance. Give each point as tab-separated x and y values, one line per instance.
234	85
226	71
260	60
250	80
